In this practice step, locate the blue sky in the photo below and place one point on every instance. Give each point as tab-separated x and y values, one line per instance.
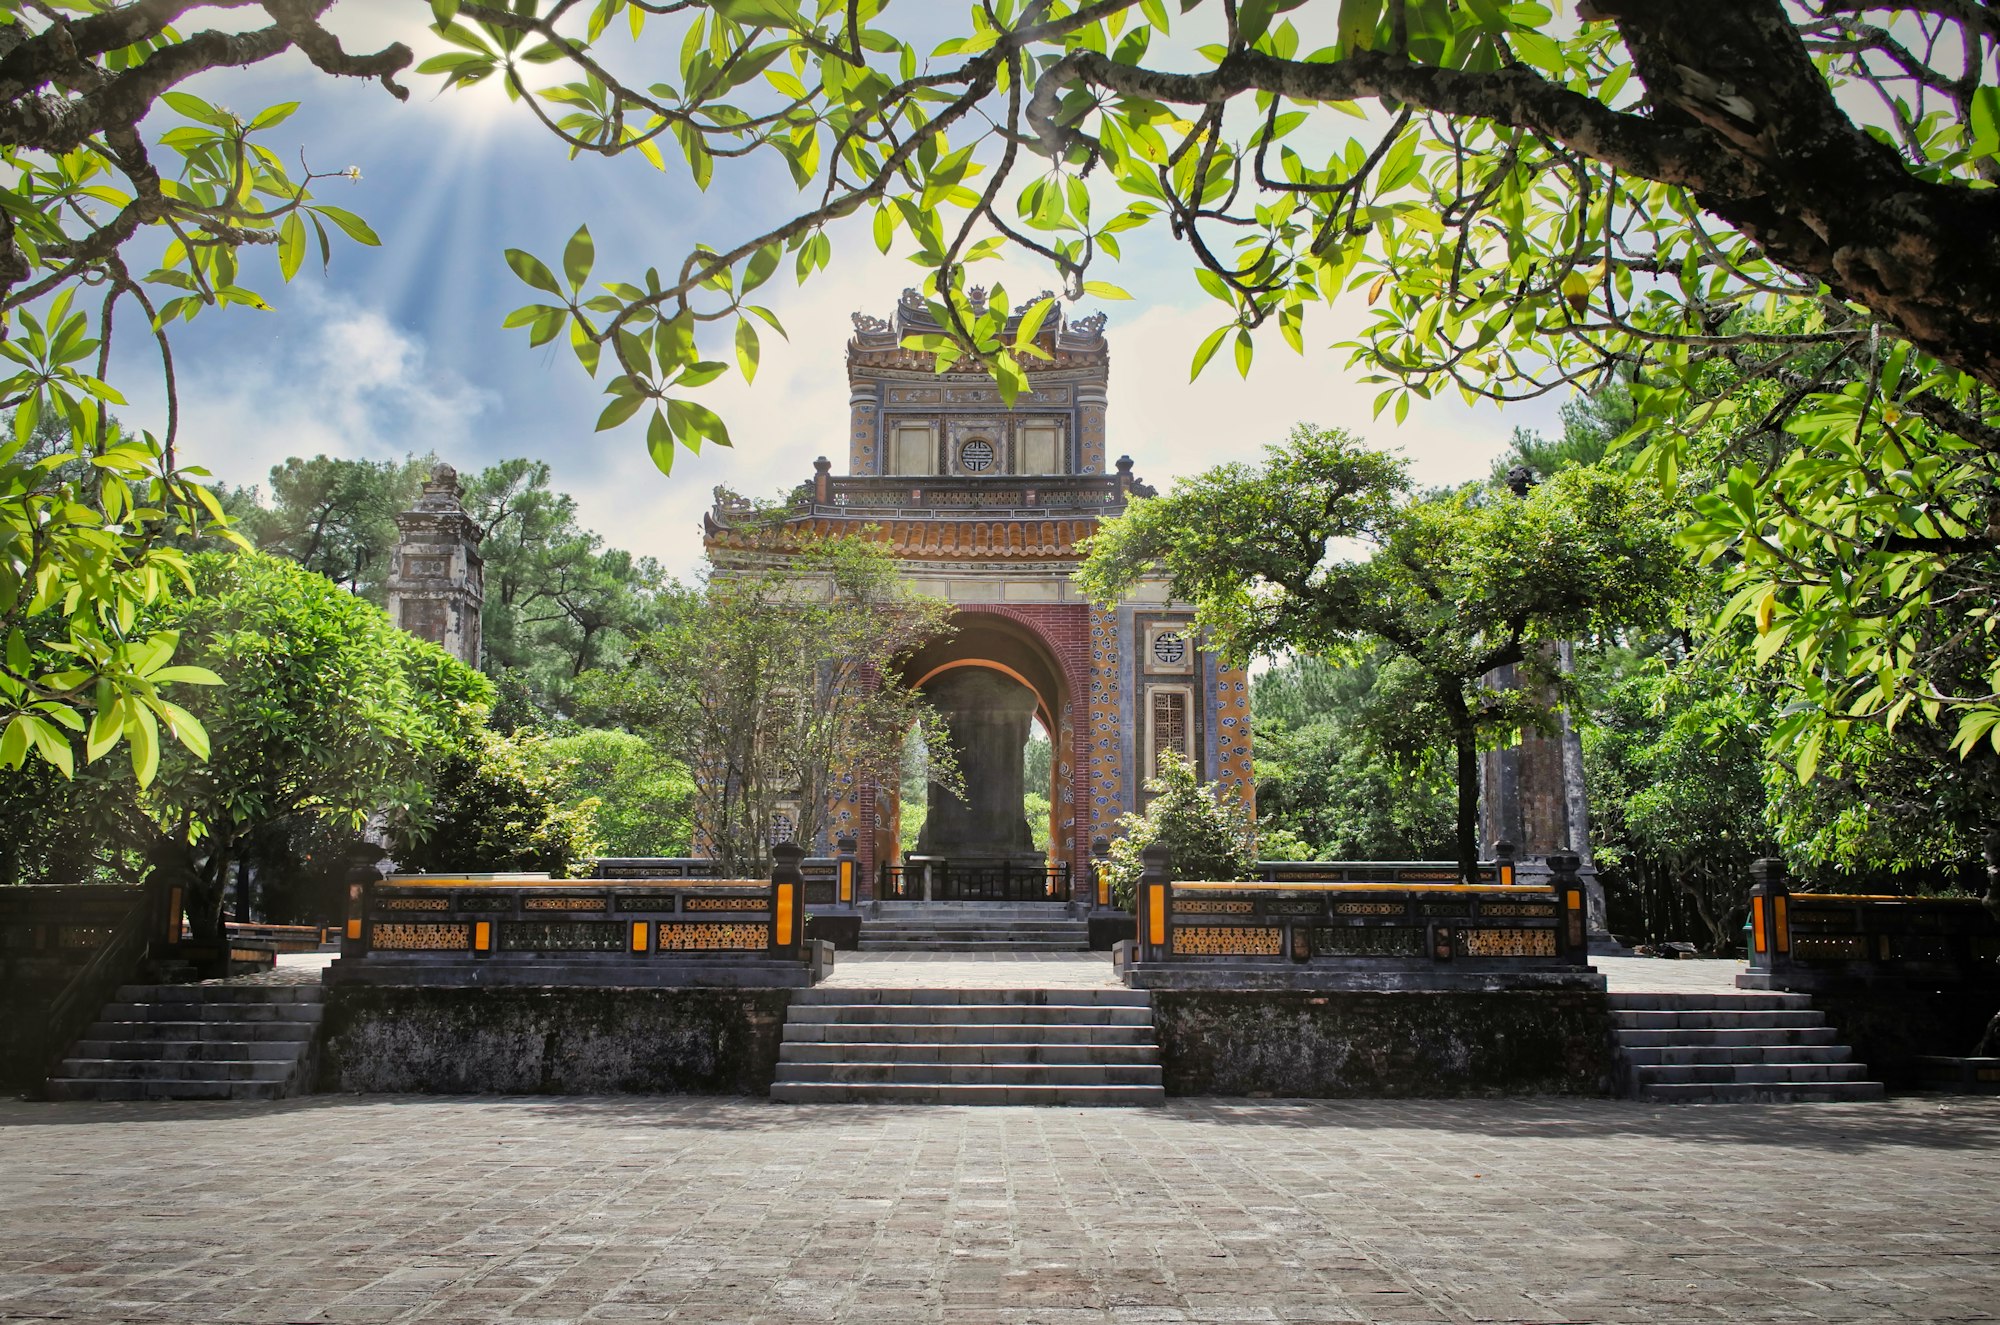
400	349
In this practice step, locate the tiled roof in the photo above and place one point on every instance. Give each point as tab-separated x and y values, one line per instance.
947	540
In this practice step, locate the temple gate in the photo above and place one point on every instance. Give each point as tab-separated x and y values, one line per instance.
984	505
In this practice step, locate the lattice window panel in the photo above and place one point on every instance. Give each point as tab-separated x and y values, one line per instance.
1229	940
1368	908
727	904
563	936
420	938
1516	909
486	901
1172	728
1213	906
1294	908
563	904
784	827
412	904
1368	941
1507	942
712	936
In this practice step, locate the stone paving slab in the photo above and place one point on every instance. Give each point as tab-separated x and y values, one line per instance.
377	1209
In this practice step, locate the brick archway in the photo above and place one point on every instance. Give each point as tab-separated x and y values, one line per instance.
1046	648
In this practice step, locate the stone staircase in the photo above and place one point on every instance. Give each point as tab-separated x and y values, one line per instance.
969	1046
1717	1048
973	927
195	1042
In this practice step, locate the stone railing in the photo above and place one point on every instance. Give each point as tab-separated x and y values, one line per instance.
1813	941
821	873
1499	870
1384	926
473	929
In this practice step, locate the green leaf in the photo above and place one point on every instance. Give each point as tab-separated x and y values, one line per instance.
747	348
660	443
577	257
272	115
291	245
143	733
530	269
350	225
1208	349
623	407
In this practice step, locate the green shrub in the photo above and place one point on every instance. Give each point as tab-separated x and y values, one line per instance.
1206	832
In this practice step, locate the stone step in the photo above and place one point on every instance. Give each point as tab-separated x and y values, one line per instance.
154	1069
960	1051
134	1088
193	1050
997	938
971	1074
820	1092
971	945
969	934
1673	1054
1709	1019
194	1042
1825	1092
1105	997
961	1033
237	995
214	1010
217	1031
1764	1035
1744	1002
1767	1072
981	1014
1002	909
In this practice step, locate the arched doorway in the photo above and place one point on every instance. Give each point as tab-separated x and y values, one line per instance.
997	682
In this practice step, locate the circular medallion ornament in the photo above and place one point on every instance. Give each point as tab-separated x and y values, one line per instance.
976	456
1170	648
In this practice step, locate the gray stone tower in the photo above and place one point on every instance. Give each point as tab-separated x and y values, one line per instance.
438	584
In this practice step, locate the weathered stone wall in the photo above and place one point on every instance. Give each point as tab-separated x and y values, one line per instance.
1890	1025
533	1041
1331	1045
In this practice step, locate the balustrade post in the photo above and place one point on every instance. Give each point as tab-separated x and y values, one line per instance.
1572	940
363	873
846	872
1155	903
788	889
1503	860
1770	918
1100	873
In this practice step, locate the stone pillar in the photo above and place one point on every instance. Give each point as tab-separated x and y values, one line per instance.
863	448
989	715
1533	794
438	583
1090	406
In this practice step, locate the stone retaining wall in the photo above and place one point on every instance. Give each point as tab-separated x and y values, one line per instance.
540	1041
1300	1044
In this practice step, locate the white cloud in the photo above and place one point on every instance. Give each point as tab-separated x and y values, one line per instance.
331	377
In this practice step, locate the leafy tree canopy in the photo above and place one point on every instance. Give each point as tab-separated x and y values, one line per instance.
776	682
1321	550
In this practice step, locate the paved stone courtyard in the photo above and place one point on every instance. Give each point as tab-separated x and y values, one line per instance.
436	1210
